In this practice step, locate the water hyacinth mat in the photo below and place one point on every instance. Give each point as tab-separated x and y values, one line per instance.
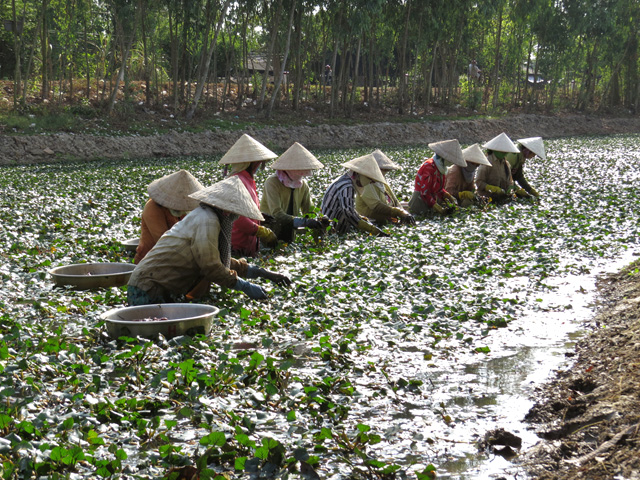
355	371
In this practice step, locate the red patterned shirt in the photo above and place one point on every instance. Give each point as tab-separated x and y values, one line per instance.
430	183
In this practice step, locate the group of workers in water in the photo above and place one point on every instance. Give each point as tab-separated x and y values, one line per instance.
192	235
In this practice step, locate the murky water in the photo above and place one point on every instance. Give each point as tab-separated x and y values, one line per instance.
431	337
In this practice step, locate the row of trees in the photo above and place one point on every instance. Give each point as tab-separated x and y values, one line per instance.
407	54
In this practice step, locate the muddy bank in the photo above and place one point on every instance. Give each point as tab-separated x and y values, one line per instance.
45	148
589	419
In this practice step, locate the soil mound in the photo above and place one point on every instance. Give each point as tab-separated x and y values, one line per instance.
590	416
67	146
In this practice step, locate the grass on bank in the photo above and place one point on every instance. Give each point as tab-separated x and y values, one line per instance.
139	120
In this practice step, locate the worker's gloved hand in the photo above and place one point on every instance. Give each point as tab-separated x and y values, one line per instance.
466	195
277	278
494	189
324	221
408	219
438	208
451	199
450	208
257	272
521	192
313	223
269	221
368	227
267	236
252	290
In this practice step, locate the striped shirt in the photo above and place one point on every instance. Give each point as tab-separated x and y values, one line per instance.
338	204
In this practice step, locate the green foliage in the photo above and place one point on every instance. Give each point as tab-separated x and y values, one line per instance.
587	52
363	367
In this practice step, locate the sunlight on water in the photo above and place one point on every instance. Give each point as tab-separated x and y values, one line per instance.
431	337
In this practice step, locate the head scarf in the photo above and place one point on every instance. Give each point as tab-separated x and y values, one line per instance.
238	167
292	178
226	220
469	171
440	163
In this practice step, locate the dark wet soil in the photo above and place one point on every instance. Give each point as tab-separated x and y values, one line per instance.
589	417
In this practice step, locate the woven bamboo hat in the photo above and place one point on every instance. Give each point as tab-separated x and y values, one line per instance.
474	154
297	158
247	149
501	143
173	190
384	162
535	144
367	166
449	150
231	195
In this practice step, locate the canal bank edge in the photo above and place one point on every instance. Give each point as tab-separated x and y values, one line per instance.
589	420
20	149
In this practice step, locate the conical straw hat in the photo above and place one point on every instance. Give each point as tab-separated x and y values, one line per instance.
449	150
297	158
384	162
172	191
247	149
501	143
535	144
367	166
231	195
474	154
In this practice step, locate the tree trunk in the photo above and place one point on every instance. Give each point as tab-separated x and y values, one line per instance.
585	97
173	37
17	45
298	68
631	83
403	56
355	77
272	45
283	68
204	69
86	54
526	75
535	77
334	80
44	49
32	54
368	90
430	76
143	24
125	45
496	77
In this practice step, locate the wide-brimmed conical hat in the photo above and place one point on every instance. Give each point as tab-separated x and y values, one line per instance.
231	195
367	166
247	149
297	158
501	143
535	144
474	154
449	150
173	190
384	162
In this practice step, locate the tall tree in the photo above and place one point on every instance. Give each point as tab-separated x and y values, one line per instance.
205	59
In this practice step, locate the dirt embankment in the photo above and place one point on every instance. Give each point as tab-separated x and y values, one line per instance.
590	416
46	148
